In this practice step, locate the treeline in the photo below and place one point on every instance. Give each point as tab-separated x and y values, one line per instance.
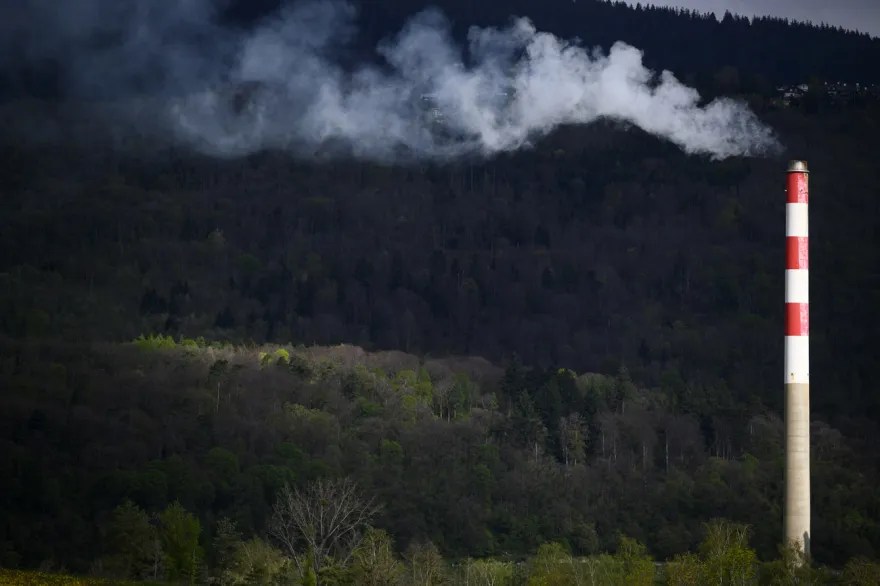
765	51
166	547
761	52
479	462
696	45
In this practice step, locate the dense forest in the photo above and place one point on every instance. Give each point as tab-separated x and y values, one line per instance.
600	248
555	366
460	458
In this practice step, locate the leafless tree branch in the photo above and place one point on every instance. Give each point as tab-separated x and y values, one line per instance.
324	519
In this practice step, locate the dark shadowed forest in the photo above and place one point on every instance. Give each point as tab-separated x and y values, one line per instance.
517	364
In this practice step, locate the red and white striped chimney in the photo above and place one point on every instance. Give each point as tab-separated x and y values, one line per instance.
796	519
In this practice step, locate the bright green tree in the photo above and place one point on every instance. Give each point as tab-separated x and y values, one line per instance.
373	562
638	567
488	572
684	570
726	554
551	566
255	562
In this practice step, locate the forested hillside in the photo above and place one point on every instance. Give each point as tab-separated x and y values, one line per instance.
459	454
520	361
601	247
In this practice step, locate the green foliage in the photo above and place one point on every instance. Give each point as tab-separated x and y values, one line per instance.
726	555
155	342
793	569
222	463
493	482
309	578
197	343
600	570
323	370
584	538
684	570
390	453
425	565
298	365
179	533
637	565
282	357
486	572
131	542
726	558
415	388
335	573
550	566
374	562
861	572
462	396
256	562
227	540
312	430
553	564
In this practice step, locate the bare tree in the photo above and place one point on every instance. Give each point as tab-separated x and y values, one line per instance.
323	520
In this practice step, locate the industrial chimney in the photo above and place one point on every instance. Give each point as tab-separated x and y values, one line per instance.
796	520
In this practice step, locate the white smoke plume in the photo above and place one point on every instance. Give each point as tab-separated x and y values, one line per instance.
281	85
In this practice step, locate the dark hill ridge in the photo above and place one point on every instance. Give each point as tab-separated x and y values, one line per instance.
754	55
690	43
764	50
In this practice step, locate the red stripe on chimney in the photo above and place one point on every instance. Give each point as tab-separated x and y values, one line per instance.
797	319
797	252
798	188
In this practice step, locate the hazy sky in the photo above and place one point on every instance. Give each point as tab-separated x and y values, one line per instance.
863	15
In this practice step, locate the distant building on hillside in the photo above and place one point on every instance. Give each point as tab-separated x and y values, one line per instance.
835	93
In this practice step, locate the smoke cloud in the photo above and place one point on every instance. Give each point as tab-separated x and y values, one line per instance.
283	85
